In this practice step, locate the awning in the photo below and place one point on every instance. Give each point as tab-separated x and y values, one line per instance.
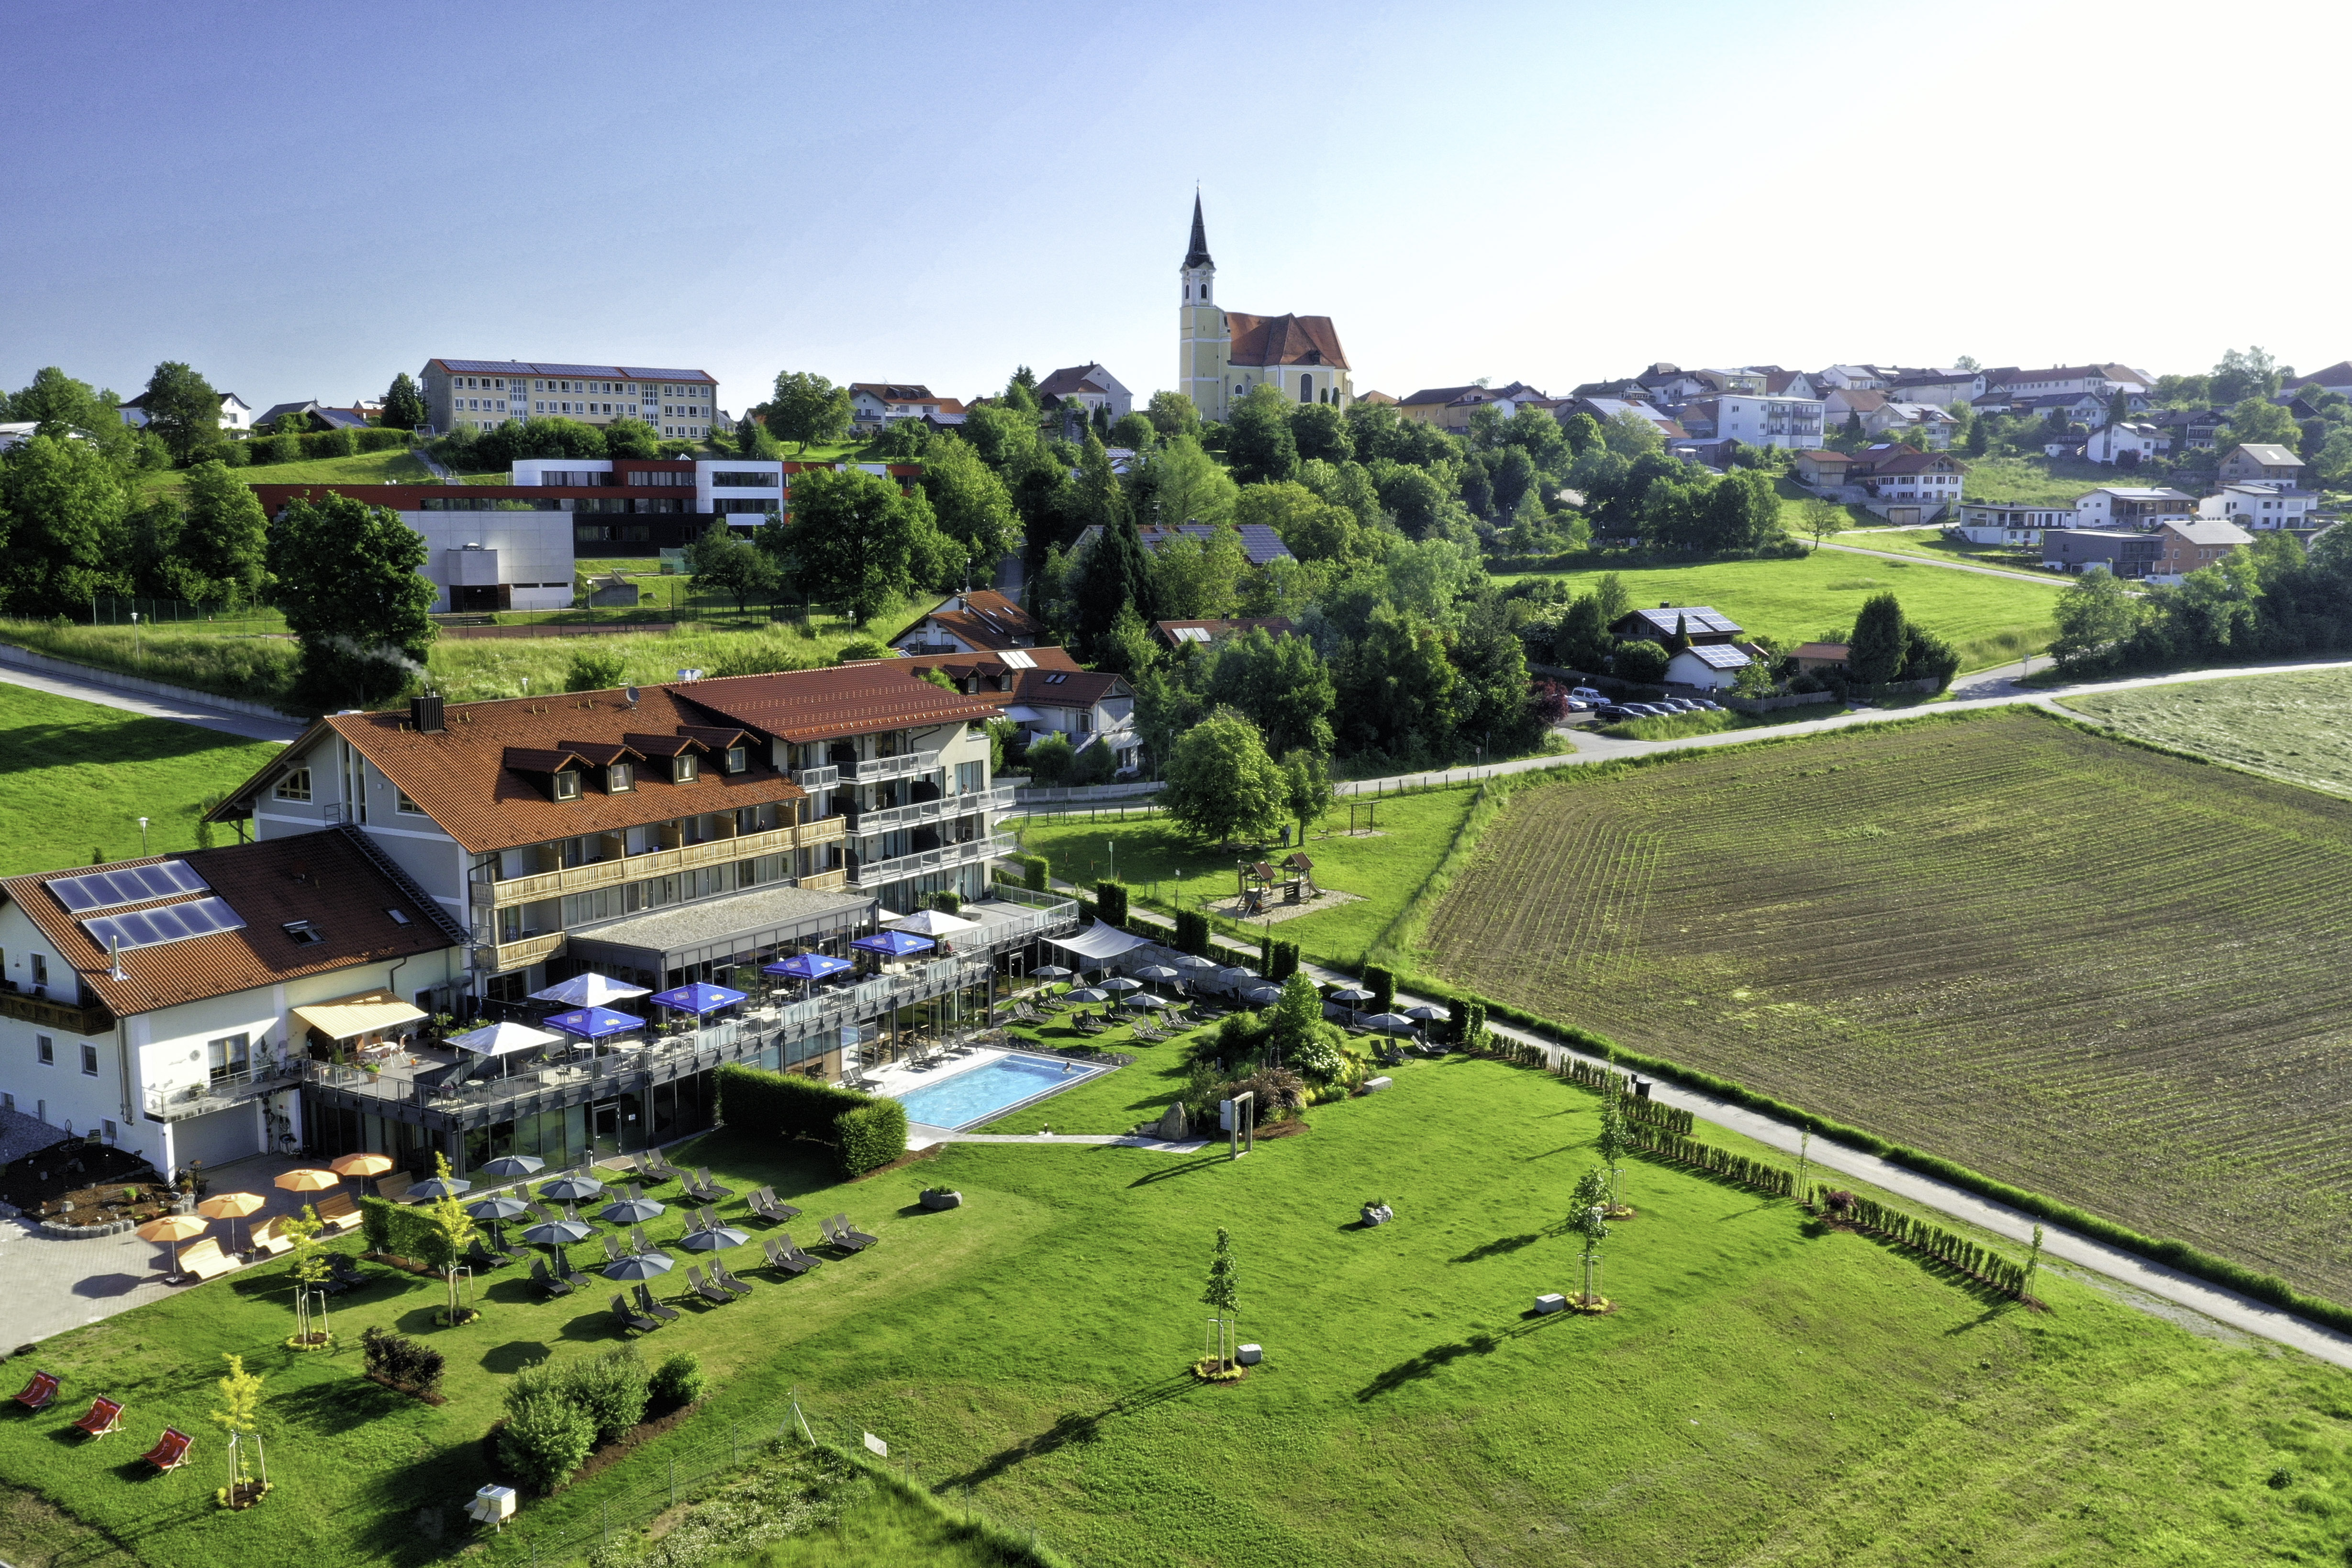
1022	713
359	1015
1101	942
932	922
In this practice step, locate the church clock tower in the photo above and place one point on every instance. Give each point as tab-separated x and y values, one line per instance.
1201	331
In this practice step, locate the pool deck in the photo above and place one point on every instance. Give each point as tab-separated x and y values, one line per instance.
898	1080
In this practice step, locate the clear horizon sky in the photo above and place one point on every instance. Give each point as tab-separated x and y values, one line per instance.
302	201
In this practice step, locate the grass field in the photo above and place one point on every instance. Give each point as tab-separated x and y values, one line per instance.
2091	970
1410	834
1767	1391
365	468
2296	726
1990	619
2056	480
75	777
1933	544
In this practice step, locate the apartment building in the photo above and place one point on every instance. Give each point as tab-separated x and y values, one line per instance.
487	393
662	835
164	1005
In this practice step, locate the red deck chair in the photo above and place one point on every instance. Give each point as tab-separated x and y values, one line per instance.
170	1450
39	1391
105	1415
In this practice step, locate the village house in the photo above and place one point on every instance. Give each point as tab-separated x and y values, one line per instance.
2127	445
1699	624
1810	658
874	404
2261	461
2258	505
1179	635
2121	506
2010	522
973	622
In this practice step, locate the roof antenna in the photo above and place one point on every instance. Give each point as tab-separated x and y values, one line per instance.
630	694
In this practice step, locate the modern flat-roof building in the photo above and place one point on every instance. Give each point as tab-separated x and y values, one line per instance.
662	835
485	393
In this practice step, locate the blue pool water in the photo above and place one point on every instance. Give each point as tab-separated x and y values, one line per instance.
980	1094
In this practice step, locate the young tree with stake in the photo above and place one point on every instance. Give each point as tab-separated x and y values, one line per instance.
456	1227
1223	1297
239	1416
1587	1216
1615	1142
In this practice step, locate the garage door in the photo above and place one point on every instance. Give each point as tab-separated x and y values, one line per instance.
217	1136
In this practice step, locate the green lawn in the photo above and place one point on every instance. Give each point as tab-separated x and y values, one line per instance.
1114	1102
1767	1390
2296	725
2054	481
365	468
1989	620
1384	868
75	777
1933	544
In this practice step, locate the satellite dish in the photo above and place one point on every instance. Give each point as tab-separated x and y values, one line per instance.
630	693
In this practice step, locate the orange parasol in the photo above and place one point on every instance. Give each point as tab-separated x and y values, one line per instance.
361	1165
308	1180
174	1229
232	1206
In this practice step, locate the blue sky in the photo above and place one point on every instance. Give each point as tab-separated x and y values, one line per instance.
301	201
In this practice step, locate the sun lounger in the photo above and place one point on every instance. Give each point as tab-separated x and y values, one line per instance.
637	1238
204	1259
105	1415
170	1450
765	1204
270	1239
664	1170
567	1274
479	1257
547	1282
340	1265
649	1170
339	1211
847	1236
653	1308
630	1320
702	1189
783	1255
724	1278
614	1252
37	1394
704	1288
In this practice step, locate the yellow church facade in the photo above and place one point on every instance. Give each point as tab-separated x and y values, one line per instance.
1225	353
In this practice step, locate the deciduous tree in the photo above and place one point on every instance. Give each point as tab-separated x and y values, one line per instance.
1258	441
350	577
724	562
1173	413
1221	785
1223	1296
970	503
226	539
1307	790
806	408
183	411
851	541
63	507
403	405
1588	1217
1822	520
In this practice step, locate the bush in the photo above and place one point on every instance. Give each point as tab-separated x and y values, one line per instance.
1457	1019
862	1131
236	454
403	1231
1051	761
1643	663
1281	1093
546	1436
870	1136
594	670
680	1381
1039	873
277	448
1284	962
343	443
859	648
396	1358
1097	764
610	1389
1382	985
1318	1058
1193	933
1110	898
375	438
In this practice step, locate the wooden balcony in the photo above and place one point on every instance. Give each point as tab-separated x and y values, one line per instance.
85	1021
635	868
525	951
824	881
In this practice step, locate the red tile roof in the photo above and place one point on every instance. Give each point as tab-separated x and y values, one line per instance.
986	619
323	878
1284	340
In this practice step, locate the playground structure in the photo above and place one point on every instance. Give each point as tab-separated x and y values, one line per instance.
1258	881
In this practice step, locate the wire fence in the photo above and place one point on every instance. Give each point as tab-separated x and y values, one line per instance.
725	1452
126	610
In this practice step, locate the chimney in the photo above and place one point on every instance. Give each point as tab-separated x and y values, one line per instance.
424	712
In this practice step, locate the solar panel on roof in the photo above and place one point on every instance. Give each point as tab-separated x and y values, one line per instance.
486	367
1017	659
171	923
131	885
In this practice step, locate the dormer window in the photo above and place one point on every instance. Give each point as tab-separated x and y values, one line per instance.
619	779
304	934
739	757
684	769
567	784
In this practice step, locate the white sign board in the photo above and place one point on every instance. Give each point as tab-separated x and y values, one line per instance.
877	1445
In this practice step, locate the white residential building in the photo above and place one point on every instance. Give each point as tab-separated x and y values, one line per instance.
1934	424
1709	666
2010	522
2130	505
1759	421
2260	505
874	404
235	414
2132	442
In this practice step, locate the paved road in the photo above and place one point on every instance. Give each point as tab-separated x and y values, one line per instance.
2047	580
251	727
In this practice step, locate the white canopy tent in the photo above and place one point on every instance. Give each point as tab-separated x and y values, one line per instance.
932	922
1099	945
503	1038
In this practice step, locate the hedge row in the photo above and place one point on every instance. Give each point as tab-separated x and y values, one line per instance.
1110	900
2175	1254
403	1231
861	1130
1657	1114
1741	1168
1923	1236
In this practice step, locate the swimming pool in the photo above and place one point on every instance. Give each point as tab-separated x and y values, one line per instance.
983	1093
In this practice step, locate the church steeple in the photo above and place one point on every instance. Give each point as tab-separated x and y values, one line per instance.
1199	255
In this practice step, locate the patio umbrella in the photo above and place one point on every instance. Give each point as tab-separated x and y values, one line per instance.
932	922
630	1211
1387	1023
588	991
504	1039
1425	1013
894	944
231	1207
808	966
360	1164
1052	972
1263	996
556	1235
497	1208
638	1266
1121	983
1192	961
596	1023
698	999
514	1165
308	1180
174	1229
1088	994
1158	972
1145	999
1352	994
571	1187
436	1187
712	1239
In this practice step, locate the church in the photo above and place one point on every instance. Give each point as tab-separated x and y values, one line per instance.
1225	353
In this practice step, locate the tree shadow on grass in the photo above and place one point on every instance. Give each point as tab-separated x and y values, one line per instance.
338	1405
1437	1358
1075	1426
514	1355
599	1325
1497	1247
1166	1171
1547	1154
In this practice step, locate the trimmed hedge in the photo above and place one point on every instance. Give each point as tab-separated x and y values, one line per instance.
1110	900
403	1231
1038	871
2190	1259
1384	987
1742	1168
1193	933
1285	962
1924	1236
861	1130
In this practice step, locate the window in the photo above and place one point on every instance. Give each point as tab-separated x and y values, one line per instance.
399	917
304	934
40	969
567	784
295	786
739	757
45	1050
970	776
228	1056
90	1061
683	768
402	803
619	779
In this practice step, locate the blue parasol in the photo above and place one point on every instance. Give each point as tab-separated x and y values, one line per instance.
698	999
894	944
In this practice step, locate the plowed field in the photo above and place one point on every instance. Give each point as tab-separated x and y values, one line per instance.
2114	976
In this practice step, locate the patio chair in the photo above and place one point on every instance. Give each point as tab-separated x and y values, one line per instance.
105	1415
630	1320
705	1190
652	1308
547	1282
724	1278
170	1450
704	1288
37	1394
783	1255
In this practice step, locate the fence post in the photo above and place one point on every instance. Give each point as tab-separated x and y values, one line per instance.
673	1480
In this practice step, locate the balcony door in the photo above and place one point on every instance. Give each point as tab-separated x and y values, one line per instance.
230	1056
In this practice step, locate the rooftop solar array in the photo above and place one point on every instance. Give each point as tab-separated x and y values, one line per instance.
530	368
132	884
1695	618
153	927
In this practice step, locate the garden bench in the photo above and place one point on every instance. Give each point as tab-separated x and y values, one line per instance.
105	1415
170	1450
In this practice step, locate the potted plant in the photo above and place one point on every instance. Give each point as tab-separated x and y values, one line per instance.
941	1197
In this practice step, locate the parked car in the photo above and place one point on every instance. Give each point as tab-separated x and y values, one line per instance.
1586	694
1610	713
1707	706
1679	704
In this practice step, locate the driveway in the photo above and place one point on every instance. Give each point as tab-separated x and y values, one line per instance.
248	726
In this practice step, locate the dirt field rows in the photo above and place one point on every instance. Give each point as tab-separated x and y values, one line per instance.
2110	975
